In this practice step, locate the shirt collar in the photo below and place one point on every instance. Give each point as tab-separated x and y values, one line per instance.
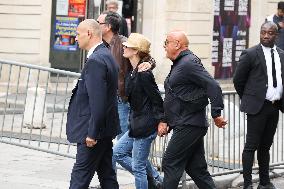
268	48
92	49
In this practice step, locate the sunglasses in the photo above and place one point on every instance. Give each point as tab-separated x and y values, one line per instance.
166	42
101	23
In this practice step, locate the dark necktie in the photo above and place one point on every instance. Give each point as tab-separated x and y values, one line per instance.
273	70
85	62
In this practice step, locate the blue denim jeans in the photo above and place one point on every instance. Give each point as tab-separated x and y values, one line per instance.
123	112
132	154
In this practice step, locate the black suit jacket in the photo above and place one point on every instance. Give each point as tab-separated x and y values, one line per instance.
92	109
250	79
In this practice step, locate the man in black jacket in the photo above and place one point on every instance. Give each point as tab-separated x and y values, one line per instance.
188	87
259	83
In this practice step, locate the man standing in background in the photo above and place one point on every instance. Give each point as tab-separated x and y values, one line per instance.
278	19
258	81
112	6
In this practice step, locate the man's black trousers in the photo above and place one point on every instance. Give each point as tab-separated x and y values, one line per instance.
260	132
90	160
185	151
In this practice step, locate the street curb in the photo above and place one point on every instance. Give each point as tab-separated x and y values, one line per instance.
221	182
275	173
235	180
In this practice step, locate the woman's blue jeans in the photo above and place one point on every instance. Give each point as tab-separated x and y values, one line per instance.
132	154
123	112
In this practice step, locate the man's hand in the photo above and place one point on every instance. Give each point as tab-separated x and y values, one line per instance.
162	129
90	142
220	122
144	66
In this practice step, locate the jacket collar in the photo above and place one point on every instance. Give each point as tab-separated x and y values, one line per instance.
281	54
260	54
94	48
181	54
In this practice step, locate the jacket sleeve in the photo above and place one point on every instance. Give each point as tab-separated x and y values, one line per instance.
96	84
197	74
242	73
152	90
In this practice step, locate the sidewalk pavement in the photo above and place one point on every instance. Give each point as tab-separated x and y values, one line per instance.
22	168
278	182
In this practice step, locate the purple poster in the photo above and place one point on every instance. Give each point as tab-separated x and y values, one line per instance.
230	35
65	33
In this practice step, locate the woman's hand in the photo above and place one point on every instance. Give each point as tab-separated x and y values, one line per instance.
144	66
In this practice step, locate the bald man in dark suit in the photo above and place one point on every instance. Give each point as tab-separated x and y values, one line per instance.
92	119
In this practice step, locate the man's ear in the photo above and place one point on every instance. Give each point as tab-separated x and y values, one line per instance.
108	27
178	46
90	34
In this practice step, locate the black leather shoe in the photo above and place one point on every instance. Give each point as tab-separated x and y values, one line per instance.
158	185
154	183
267	186
248	187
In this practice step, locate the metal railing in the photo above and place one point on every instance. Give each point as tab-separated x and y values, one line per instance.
33	106
33	110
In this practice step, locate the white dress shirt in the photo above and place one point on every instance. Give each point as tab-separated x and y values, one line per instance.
92	49
272	93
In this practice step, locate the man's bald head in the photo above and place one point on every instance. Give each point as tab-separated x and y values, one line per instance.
88	34
180	36
175	43
92	26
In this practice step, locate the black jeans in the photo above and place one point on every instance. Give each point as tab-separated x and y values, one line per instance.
90	160
185	151
260	132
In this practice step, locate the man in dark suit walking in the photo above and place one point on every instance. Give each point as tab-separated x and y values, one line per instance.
92	119
259	83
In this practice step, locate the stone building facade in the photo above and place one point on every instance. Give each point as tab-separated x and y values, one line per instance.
25	28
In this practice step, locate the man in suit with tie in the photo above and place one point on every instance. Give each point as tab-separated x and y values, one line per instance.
259	83
92	119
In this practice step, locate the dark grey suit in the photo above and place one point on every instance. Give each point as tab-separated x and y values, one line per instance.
250	79
251	83
93	113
